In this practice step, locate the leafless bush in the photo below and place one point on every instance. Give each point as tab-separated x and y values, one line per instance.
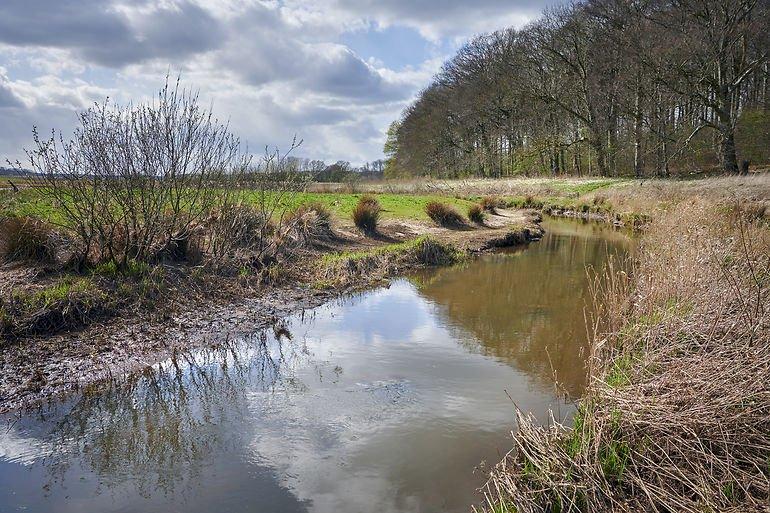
137	179
238	227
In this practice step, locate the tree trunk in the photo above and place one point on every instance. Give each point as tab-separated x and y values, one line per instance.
638	129
727	150
598	144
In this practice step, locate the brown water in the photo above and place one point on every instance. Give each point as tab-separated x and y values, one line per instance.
383	402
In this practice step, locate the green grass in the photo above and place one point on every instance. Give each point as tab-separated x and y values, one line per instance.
58	292
572	187
394	206
395	248
620	373
28	202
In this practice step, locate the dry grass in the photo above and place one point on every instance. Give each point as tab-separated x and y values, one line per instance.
311	222
492	203
444	215
26	239
366	215
677	413
476	214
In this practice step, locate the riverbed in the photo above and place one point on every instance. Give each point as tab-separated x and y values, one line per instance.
385	401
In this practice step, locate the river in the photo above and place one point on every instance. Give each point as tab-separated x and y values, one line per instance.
387	401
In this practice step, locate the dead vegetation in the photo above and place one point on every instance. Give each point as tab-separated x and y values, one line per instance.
27	239
444	215
677	413
366	215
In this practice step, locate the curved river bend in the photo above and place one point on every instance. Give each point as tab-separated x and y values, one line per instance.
382	402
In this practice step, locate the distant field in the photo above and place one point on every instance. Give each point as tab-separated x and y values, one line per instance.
407	199
395	206
543	186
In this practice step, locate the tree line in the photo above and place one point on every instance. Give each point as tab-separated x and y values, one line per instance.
600	87
339	171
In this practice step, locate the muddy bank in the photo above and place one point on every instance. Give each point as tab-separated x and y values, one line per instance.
41	368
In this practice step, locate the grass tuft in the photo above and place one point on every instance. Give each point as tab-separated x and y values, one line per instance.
26	239
444	215
366	215
476	214
492	203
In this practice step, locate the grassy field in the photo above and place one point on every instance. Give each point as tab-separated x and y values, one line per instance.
394	206
29	202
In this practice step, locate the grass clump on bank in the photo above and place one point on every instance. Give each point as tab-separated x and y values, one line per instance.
444	215
476	214
362	267
675	417
492	203
26	239
366	215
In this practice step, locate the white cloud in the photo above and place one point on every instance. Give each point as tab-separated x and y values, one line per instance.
274	68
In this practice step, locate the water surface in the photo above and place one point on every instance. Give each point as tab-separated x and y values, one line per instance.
383	402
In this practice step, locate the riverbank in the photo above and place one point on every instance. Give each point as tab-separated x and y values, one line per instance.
675	416
182	307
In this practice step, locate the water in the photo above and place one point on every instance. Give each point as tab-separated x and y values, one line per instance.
383	402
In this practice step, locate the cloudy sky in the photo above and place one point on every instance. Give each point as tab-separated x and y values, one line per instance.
333	72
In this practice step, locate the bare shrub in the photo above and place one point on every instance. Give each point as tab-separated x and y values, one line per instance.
135	179
476	214
443	214
26	239
366	214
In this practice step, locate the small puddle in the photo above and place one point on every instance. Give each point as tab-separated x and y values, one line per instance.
382	402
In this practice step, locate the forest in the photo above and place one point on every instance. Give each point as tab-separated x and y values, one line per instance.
601	87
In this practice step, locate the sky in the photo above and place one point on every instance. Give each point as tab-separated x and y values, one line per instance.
334	73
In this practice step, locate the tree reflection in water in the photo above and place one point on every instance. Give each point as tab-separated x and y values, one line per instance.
158	428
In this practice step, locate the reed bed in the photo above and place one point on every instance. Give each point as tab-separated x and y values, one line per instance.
676	416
